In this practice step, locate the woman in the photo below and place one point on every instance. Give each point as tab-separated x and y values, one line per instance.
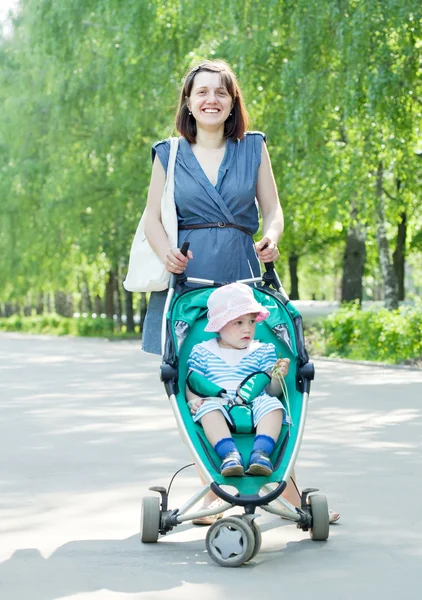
222	175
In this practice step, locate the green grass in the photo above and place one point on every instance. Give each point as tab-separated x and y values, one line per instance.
53	324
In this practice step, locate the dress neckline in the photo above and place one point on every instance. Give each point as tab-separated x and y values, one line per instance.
194	164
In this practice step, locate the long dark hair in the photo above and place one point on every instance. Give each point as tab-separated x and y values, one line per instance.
235	125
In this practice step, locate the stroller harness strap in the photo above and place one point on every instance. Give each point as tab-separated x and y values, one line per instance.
252	386
218	224
203	387
246	391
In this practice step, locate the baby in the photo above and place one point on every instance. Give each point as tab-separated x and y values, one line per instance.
227	361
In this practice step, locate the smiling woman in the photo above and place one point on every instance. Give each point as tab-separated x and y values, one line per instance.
222	176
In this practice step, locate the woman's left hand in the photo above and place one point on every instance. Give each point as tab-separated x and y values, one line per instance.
267	250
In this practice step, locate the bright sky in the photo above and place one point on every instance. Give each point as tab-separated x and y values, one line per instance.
5	6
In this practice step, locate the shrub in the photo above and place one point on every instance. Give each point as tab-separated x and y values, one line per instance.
97	327
375	335
56	325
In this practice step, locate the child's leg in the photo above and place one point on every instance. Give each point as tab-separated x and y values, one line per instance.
219	436
215	427
267	432
270	424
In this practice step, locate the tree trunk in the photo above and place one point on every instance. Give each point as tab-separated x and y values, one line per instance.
39	307
399	255
142	310
109	296
391	299
86	297
27	309
354	261
130	323
118	299
49	303
98	305
59	303
294	279
63	304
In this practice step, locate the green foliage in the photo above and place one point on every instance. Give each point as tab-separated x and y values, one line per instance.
86	86
97	327
57	325
374	335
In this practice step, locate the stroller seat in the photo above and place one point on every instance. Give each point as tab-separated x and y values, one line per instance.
189	321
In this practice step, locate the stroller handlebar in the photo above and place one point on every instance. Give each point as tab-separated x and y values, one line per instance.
184	249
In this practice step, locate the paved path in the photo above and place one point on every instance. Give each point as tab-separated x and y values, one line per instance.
85	429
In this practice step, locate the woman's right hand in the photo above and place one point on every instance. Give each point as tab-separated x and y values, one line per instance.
175	261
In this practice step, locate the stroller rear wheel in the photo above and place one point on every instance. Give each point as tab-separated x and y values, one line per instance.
320	529
230	542
150	519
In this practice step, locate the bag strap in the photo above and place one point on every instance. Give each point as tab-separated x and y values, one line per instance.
174	145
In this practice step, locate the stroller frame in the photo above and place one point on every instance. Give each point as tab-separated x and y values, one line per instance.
313	512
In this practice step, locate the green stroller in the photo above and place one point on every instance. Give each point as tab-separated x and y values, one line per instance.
234	540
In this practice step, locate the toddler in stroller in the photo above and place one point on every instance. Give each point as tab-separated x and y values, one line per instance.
237	370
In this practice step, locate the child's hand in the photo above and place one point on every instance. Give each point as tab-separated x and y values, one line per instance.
281	367
195	404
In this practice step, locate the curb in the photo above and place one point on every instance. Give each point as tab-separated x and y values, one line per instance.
368	363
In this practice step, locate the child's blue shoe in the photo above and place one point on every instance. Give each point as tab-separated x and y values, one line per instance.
232	465
259	464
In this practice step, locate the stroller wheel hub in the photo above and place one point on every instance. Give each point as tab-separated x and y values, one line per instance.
230	542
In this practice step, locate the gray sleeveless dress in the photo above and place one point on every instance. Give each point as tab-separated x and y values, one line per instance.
220	254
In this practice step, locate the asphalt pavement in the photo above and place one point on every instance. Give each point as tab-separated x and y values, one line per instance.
86	428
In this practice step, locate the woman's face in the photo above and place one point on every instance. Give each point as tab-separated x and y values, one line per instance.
209	102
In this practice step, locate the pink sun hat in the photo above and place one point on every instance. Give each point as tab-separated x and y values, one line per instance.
230	302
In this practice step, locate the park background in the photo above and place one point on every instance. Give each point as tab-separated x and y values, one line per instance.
87	86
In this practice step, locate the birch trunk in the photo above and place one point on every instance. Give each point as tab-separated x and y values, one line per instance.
294	278
399	256
391	299
354	261
130	323
109	295
142	310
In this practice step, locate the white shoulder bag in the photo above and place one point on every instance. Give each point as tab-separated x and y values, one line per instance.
146	272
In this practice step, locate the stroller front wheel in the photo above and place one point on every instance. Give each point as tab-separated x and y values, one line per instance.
258	539
257	535
150	519
230	542
320	529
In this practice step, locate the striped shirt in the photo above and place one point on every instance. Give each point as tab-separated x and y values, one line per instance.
228	368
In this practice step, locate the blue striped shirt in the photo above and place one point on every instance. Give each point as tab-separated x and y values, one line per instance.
228	368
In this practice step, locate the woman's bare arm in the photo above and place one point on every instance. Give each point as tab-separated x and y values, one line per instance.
272	213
